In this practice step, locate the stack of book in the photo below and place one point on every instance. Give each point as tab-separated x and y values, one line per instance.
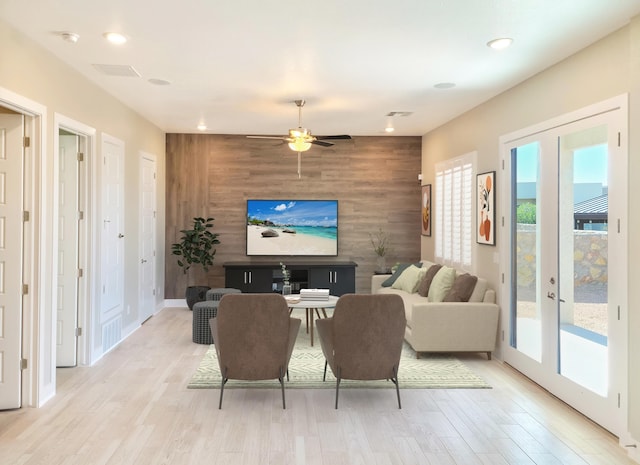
314	294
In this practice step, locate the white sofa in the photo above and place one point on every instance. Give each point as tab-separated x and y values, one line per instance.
448	326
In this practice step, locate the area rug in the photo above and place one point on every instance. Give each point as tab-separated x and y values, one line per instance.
430	371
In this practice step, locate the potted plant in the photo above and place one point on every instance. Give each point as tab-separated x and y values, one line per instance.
196	247
380	243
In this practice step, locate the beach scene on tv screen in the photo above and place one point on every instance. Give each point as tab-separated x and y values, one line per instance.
292	227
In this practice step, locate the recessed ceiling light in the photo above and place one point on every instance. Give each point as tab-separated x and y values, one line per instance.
159	82
500	44
202	127
115	38
70	37
444	85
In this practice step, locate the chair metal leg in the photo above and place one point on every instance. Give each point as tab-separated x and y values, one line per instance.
281	379
324	376
224	381
337	386
395	381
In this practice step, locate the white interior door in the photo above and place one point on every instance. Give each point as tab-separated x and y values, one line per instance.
11	244
147	236
112	234
68	228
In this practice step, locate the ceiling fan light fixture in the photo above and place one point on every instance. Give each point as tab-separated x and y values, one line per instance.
299	145
299	133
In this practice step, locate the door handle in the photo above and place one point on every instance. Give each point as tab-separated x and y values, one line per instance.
142	260
120	236
551	295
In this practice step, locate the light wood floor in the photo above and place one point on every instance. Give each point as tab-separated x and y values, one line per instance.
133	407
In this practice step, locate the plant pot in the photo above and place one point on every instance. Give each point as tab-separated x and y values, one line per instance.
196	294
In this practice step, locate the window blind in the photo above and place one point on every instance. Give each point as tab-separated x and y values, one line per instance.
454	212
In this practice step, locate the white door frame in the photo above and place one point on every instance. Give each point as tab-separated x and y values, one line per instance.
618	335
38	342
142	314
86	299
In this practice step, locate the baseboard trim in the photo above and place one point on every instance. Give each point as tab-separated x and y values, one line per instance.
175	303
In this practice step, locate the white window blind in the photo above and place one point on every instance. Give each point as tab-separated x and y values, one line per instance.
454	211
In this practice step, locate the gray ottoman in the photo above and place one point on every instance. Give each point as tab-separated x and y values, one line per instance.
217	292
202	313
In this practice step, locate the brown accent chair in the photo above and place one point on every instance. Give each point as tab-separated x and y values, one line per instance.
363	340
254	337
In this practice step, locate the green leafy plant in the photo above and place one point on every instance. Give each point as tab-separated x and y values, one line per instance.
380	242
526	213
196	246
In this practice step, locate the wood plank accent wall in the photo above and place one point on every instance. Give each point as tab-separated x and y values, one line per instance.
374	179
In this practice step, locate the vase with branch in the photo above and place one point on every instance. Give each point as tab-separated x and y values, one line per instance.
381	246
286	276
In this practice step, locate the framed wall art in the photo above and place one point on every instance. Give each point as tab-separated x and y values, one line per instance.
486	211
426	210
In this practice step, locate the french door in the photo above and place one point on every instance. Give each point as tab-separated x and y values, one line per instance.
566	303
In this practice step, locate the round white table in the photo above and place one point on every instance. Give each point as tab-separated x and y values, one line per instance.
310	307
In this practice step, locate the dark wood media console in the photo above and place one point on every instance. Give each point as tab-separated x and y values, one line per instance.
338	277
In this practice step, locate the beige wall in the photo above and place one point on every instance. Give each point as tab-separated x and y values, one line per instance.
606	69
35	74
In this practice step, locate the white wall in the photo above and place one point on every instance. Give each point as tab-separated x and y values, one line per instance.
31	72
608	68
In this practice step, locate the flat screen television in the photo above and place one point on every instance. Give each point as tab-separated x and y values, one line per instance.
290	227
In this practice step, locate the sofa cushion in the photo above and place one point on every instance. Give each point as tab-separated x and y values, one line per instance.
425	284
396	274
442	282
479	291
462	288
410	279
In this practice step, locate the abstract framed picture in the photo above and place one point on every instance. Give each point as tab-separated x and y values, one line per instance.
486	211
426	210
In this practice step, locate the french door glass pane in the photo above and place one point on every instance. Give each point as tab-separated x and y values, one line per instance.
583	261
525	308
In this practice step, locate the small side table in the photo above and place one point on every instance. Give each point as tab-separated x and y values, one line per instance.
311	306
202	313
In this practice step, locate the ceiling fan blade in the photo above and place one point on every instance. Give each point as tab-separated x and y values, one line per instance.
267	137
343	137
323	144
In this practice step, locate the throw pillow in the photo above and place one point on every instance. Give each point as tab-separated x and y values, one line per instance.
462	288
410	279
396	274
425	284
442	282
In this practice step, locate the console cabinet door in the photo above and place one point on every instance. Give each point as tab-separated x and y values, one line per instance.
339	280
249	279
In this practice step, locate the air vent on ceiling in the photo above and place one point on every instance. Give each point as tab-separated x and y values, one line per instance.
117	70
399	113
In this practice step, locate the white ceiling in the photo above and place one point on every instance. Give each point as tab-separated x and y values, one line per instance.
237	65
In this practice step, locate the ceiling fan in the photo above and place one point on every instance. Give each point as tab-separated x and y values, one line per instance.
300	139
